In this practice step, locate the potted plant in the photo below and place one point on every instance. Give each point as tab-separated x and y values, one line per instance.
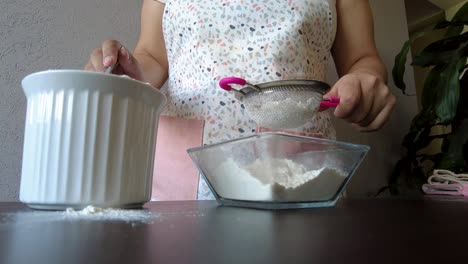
444	104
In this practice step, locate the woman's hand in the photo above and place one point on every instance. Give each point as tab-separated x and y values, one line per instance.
108	54
365	100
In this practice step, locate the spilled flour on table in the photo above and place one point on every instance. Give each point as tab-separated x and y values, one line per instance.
109	214
90	213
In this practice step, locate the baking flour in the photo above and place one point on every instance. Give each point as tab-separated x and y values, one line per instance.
283	112
96	213
275	179
90	213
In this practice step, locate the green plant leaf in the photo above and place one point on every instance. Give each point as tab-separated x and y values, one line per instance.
450	161
460	16
462	112
446	44
427	58
425	118
464	67
441	94
444	102
448	92
454	153
399	65
417	139
443	148
429	91
444	24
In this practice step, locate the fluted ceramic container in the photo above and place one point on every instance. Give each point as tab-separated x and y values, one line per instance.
89	140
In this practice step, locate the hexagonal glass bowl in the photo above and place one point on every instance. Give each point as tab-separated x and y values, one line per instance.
274	170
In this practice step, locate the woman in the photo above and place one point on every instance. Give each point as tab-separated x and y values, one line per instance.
192	44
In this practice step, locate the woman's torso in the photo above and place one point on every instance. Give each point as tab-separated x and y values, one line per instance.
258	40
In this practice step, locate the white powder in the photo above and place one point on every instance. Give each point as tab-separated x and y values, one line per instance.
282	171
96	213
232	181
134	217
90	213
275	180
289	112
86	211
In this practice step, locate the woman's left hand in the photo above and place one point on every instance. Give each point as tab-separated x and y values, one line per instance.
365	100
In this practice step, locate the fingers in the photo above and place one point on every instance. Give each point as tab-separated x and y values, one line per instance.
89	67
129	65
382	117
104	56
349	97
110	52
365	101
95	61
368	108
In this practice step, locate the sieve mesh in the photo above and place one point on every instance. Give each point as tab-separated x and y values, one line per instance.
283	107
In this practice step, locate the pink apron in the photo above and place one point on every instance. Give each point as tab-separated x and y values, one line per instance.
175	176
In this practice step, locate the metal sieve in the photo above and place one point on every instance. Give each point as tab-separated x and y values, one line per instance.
281	104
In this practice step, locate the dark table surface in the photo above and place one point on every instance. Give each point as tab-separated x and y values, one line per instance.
356	231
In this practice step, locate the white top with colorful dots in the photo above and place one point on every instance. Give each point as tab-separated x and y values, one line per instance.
258	40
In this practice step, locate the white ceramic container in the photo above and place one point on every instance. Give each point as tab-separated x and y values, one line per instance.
89	140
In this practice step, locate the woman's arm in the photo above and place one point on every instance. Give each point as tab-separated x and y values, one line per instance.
366	100
354	48
150	50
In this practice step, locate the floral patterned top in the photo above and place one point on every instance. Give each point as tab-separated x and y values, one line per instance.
258	40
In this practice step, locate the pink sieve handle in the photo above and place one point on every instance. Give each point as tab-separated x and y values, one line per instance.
330	102
225	83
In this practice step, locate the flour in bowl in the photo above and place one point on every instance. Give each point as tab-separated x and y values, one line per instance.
275	180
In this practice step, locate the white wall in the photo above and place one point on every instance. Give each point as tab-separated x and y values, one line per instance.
390	33
50	34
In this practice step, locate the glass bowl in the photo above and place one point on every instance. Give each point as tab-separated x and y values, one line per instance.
278	171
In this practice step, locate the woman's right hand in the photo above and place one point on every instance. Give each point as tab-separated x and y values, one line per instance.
107	55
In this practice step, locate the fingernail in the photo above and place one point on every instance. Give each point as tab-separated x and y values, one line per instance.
107	61
125	53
